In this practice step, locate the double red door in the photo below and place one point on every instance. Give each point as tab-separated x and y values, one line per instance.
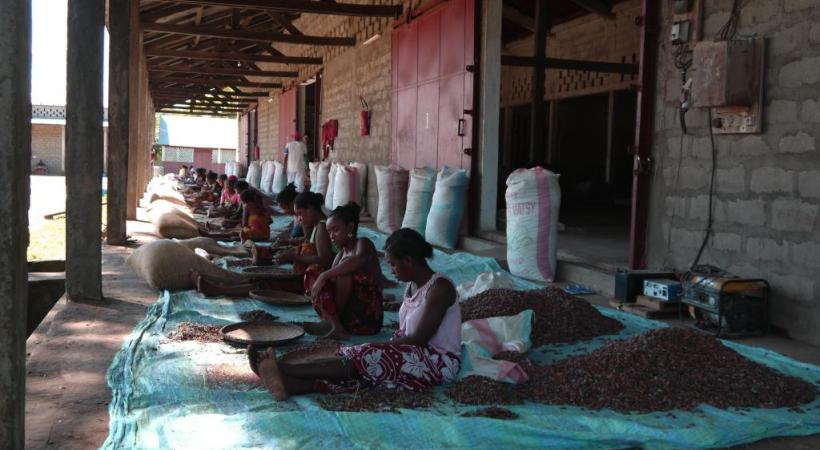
432	88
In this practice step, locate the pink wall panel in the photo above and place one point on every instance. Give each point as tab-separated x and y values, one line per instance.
407	46
450	111
429	27
287	118
405	126
427	125
452	38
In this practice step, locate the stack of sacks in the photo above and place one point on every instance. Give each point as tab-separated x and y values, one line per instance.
419	199
165	264
361	178
447	209
313	168
392	184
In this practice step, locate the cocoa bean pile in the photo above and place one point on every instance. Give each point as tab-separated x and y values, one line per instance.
379	399
661	370
257	315
557	317
189	331
493	412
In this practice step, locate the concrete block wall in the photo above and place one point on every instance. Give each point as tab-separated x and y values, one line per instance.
591	38
268	133
766	221
47	145
348	73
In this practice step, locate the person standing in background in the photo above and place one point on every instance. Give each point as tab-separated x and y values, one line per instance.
295	152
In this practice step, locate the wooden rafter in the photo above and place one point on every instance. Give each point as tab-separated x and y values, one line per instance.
215	82
600	7
164	11
246	35
305	6
203	90
571	64
284	22
191	69
517	17
230	56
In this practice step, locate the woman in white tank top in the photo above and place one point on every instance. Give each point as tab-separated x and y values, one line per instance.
424	352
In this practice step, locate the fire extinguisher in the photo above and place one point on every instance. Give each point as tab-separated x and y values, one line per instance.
364	119
256	153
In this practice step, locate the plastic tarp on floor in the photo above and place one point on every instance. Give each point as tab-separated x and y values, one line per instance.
163	396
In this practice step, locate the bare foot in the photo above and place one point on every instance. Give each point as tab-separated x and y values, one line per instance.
270	375
317	328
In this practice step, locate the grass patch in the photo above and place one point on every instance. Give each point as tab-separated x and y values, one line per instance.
47	241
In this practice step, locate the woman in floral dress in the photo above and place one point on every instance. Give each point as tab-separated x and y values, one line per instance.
424	352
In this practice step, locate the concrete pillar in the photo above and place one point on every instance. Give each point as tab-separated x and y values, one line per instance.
84	149
490	85
134	130
15	151
119	113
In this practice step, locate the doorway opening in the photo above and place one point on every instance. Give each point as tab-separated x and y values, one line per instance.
308	116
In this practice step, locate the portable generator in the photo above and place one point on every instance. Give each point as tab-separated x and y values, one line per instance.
725	302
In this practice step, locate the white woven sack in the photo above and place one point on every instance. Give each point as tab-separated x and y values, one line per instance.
331	186
361	168
346	186
322	178
313	168
419	199
164	264
533	202
254	177
268	168
392	183
447	210
280	179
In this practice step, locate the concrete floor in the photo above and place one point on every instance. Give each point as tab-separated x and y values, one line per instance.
66	393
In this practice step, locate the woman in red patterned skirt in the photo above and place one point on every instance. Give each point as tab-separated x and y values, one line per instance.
424	352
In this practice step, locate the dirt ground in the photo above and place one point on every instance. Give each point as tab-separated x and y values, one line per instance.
68	355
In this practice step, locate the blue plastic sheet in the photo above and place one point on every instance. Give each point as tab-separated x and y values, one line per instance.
162	397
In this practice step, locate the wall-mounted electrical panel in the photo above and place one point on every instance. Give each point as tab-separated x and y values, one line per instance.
728	77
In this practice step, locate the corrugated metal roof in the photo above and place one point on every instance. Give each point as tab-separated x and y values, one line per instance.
198	132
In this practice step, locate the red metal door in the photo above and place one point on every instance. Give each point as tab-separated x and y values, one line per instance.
243	138
287	118
432	87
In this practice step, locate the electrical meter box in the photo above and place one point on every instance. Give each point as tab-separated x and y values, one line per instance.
724	73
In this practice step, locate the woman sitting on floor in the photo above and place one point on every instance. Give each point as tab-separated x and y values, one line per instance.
424	352
348	296
229	200
315	251
255	217
285	201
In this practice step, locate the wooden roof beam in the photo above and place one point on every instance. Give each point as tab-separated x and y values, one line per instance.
285	23
189	113
204	90
571	64
191	69
213	82
162	12
230	56
305	6
245	35
517	17
601	7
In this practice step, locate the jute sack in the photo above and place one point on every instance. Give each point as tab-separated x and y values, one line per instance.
165	265
170	222
392	182
212	247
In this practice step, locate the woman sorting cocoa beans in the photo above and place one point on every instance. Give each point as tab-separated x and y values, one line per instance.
424	352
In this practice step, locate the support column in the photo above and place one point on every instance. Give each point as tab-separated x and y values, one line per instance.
490	85
84	149
539	108
135	114
15	150
610	128
119	113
